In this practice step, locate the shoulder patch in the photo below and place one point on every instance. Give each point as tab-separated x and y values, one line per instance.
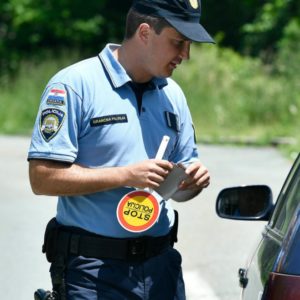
51	120
56	97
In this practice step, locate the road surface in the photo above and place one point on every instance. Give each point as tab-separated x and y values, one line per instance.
212	248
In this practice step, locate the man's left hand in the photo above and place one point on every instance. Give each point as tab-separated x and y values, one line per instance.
199	177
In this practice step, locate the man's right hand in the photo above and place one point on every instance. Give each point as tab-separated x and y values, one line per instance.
147	174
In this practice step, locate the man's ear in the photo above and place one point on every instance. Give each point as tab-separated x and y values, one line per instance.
144	32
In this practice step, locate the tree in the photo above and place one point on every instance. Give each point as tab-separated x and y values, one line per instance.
225	19
270	27
28	26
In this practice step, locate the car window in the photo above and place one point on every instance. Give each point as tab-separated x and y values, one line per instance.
288	200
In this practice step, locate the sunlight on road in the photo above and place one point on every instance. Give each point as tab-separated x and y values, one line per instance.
197	288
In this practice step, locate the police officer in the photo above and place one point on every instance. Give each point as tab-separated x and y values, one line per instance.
94	143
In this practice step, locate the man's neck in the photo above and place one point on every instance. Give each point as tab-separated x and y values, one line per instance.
129	57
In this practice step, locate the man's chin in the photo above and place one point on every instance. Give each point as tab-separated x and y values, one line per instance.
169	72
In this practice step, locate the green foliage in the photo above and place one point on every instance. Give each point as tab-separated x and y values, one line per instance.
19	99
235	95
225	19
253	27
27	26
230	95
288	60
262	35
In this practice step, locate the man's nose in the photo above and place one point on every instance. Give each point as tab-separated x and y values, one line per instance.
185	53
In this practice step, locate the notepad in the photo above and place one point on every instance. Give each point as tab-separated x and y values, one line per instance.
169	187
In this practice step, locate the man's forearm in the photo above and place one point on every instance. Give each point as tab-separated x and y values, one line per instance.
59	179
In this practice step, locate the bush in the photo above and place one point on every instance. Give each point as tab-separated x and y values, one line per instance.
29	26
233	95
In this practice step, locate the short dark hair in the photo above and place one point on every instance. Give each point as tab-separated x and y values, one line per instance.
134	19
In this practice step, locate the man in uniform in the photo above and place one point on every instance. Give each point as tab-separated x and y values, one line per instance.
99	126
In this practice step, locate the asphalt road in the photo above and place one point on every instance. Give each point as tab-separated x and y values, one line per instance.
212	248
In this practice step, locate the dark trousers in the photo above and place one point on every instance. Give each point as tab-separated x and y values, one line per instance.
157	278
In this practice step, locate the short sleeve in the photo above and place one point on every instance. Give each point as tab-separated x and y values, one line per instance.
57	125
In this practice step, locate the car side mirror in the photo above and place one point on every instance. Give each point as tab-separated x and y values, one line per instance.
253	202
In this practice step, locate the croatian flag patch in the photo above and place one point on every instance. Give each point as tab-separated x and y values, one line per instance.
56	97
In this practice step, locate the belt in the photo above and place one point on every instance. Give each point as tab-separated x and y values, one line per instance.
129	249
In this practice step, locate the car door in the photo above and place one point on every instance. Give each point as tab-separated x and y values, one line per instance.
276	235
284	281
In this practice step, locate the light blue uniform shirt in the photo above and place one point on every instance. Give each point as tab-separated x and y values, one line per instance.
89	116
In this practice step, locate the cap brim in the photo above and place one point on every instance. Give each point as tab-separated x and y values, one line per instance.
192	31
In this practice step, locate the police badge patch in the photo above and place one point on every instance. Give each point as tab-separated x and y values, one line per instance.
50	122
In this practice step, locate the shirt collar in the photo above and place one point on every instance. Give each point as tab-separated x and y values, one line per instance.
117	73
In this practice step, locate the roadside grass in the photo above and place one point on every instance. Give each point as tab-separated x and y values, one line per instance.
238	100
233	99
20	96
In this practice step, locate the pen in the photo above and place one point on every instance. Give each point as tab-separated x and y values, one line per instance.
162	147
160	152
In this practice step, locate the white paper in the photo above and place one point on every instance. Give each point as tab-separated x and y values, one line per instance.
170	185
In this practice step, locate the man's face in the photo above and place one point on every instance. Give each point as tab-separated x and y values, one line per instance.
165	51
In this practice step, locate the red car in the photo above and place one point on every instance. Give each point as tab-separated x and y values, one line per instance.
273	272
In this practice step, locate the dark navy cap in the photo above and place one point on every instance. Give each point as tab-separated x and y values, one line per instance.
183	15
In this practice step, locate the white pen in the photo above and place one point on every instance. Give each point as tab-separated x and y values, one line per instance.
162	148
160	152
